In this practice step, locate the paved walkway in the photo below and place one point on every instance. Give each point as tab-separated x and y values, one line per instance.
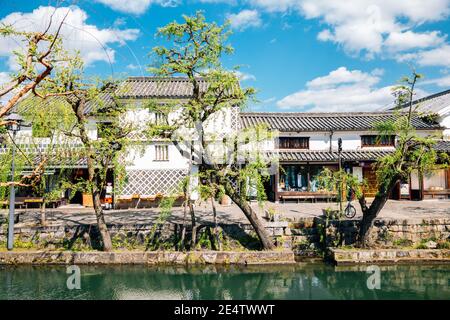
392	209
232	214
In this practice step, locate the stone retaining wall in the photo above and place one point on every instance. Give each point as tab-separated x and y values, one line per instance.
140	236
305	236
387	232
139	257
347	257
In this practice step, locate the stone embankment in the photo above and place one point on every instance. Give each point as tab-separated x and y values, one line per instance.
150	258
396	240
388	256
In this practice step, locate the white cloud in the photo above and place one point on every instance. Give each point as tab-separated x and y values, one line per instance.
341	90
370	27
92	42
343	76
400	41
4	79
231	2
440	82
277	5
435	57
136	6
245	19
132	66
242	76
269	100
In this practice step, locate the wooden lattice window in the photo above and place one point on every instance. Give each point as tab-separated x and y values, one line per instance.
293	143
161	153
160	118
377	141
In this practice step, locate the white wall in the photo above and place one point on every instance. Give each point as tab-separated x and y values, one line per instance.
320	141
144	157
436	178
445	122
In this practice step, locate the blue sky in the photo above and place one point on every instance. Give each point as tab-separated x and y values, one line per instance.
301	55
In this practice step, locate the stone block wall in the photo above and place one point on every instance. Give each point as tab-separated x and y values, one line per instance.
138	236
387	232
305	236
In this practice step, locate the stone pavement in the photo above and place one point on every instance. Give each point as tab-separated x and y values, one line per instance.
392	210
231	214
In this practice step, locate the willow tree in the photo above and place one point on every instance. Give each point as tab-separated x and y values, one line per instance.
194	50
49	119
413	153
95	107
43	52
41	66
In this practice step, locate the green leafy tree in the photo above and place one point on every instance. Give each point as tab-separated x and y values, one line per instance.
92	106
413	153
42	66
43	54
47	146
102	154
194	50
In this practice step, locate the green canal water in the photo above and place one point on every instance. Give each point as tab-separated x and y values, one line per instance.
300	281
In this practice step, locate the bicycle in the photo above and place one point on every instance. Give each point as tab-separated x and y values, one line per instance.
350	210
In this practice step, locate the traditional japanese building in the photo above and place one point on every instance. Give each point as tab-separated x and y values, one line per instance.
436	107
304	145
307	143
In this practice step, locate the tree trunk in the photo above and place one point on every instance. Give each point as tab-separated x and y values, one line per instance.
43	216
420	177
93	178
371	213
101	223
216	233
183	230
266	242
102	227
194	225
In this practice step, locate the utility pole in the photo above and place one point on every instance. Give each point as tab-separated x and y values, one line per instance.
15	122
340	168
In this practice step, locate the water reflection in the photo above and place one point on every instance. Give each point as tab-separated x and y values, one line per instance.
301	281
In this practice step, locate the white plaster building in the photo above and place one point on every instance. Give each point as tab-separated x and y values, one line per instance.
306	144
436	106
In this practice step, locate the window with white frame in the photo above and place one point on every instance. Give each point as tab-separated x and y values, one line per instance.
161	153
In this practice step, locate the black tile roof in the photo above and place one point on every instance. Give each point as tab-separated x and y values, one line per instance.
433	104
313	155
442	146
104	99
336	121
159	87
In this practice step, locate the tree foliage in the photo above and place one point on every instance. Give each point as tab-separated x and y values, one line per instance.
194	49
414	153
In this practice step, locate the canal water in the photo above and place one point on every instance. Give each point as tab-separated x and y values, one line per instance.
300	281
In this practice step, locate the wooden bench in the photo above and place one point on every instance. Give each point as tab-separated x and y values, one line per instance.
308	196
28	201
298	198
19	203
23	202
437	193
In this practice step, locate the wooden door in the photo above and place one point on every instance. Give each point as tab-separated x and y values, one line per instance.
369	175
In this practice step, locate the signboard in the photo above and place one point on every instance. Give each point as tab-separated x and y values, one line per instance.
404	189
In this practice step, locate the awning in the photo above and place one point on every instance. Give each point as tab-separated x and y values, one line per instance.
320	156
